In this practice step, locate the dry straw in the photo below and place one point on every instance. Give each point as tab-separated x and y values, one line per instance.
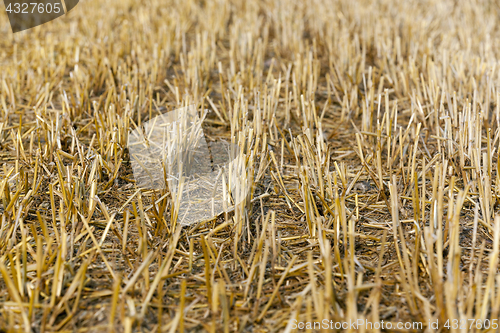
368	131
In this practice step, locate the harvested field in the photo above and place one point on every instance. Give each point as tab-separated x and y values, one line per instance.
369	131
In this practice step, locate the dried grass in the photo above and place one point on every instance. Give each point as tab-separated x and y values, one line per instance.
371	130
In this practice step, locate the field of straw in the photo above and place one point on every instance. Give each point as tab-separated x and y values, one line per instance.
370	131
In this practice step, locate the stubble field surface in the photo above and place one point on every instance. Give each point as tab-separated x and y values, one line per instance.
370	131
